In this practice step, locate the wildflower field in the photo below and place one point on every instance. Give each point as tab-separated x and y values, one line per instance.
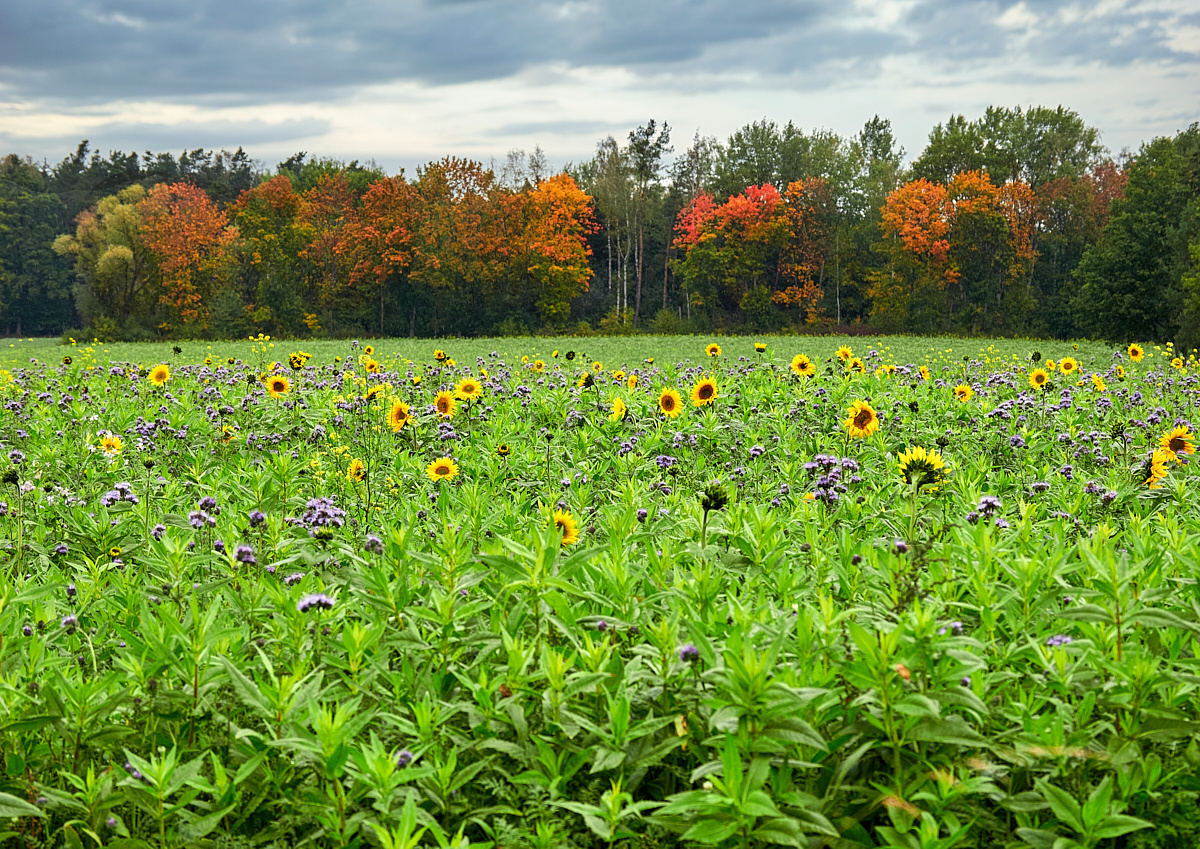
631	592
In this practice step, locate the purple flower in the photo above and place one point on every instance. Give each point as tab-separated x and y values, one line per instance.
318	600
757	451
244	554
158	531
256	518
294	578
642	513
688	653
965	681
404	758
374	544
602	625
70	623
901	546
70	591
219	546
1058	640
60	549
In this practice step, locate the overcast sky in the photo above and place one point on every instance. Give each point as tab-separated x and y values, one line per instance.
407	81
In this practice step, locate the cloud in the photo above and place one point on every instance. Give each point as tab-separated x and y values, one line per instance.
136	137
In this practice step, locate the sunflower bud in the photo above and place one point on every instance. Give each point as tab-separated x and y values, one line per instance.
714	497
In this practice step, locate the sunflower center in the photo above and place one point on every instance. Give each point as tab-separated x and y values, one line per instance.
706	392
863	418
668	403
1177	444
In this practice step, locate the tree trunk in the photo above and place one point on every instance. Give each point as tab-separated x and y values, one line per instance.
637	304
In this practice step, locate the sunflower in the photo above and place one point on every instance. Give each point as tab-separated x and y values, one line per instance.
924	370
1098	383
230	361
114	552
1136	352
110	444
371	366
618	375
597	366
1156	467
398	415
1121	372
963	393
441	469
1177	363
296	361
444	404
1050	366
369	350
357	470
570	355
802	366
670	403
278	386
632	382
228	434
416	381
468	389
862	420
1068	365
856	364
1039	378
565	522
66	361
1178	441
713	349
585	380
440	355
760	347
922	468
160	374
539	365
375	391
502	449
845	354
704	392
619	410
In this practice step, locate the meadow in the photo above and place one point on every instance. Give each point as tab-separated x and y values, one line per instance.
638	592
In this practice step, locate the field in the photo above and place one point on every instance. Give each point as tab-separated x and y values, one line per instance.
654	591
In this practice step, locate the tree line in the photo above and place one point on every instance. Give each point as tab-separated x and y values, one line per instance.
1016	223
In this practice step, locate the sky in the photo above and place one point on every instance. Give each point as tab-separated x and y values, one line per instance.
408	81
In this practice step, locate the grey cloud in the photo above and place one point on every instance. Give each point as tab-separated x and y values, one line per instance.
565	128
214	135
239	51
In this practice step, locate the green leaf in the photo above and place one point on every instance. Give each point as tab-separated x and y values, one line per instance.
11	806
711	831
1117	824
950	729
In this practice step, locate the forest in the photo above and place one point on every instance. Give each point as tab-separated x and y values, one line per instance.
1016	223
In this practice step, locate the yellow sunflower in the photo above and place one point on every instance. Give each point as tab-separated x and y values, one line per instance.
802	366
110	444
1068	365
565	522
597	366
539	365
278	385
963	393
369	350
632	382
444	404
924	370
670	403
441	469
370	365
845	354
468	389
1136	352
440	355
1156	469
1098	383
619	410
862	420
357	470
585	380
713	349
502	449
760	347
398	415
856	364
704	392
375	391
618	375
160	374
922	468
1177	363
1039	378
1178	441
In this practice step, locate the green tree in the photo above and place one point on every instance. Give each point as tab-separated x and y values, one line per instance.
1130	282
35	282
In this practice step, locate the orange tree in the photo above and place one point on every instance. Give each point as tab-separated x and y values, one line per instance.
191	241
